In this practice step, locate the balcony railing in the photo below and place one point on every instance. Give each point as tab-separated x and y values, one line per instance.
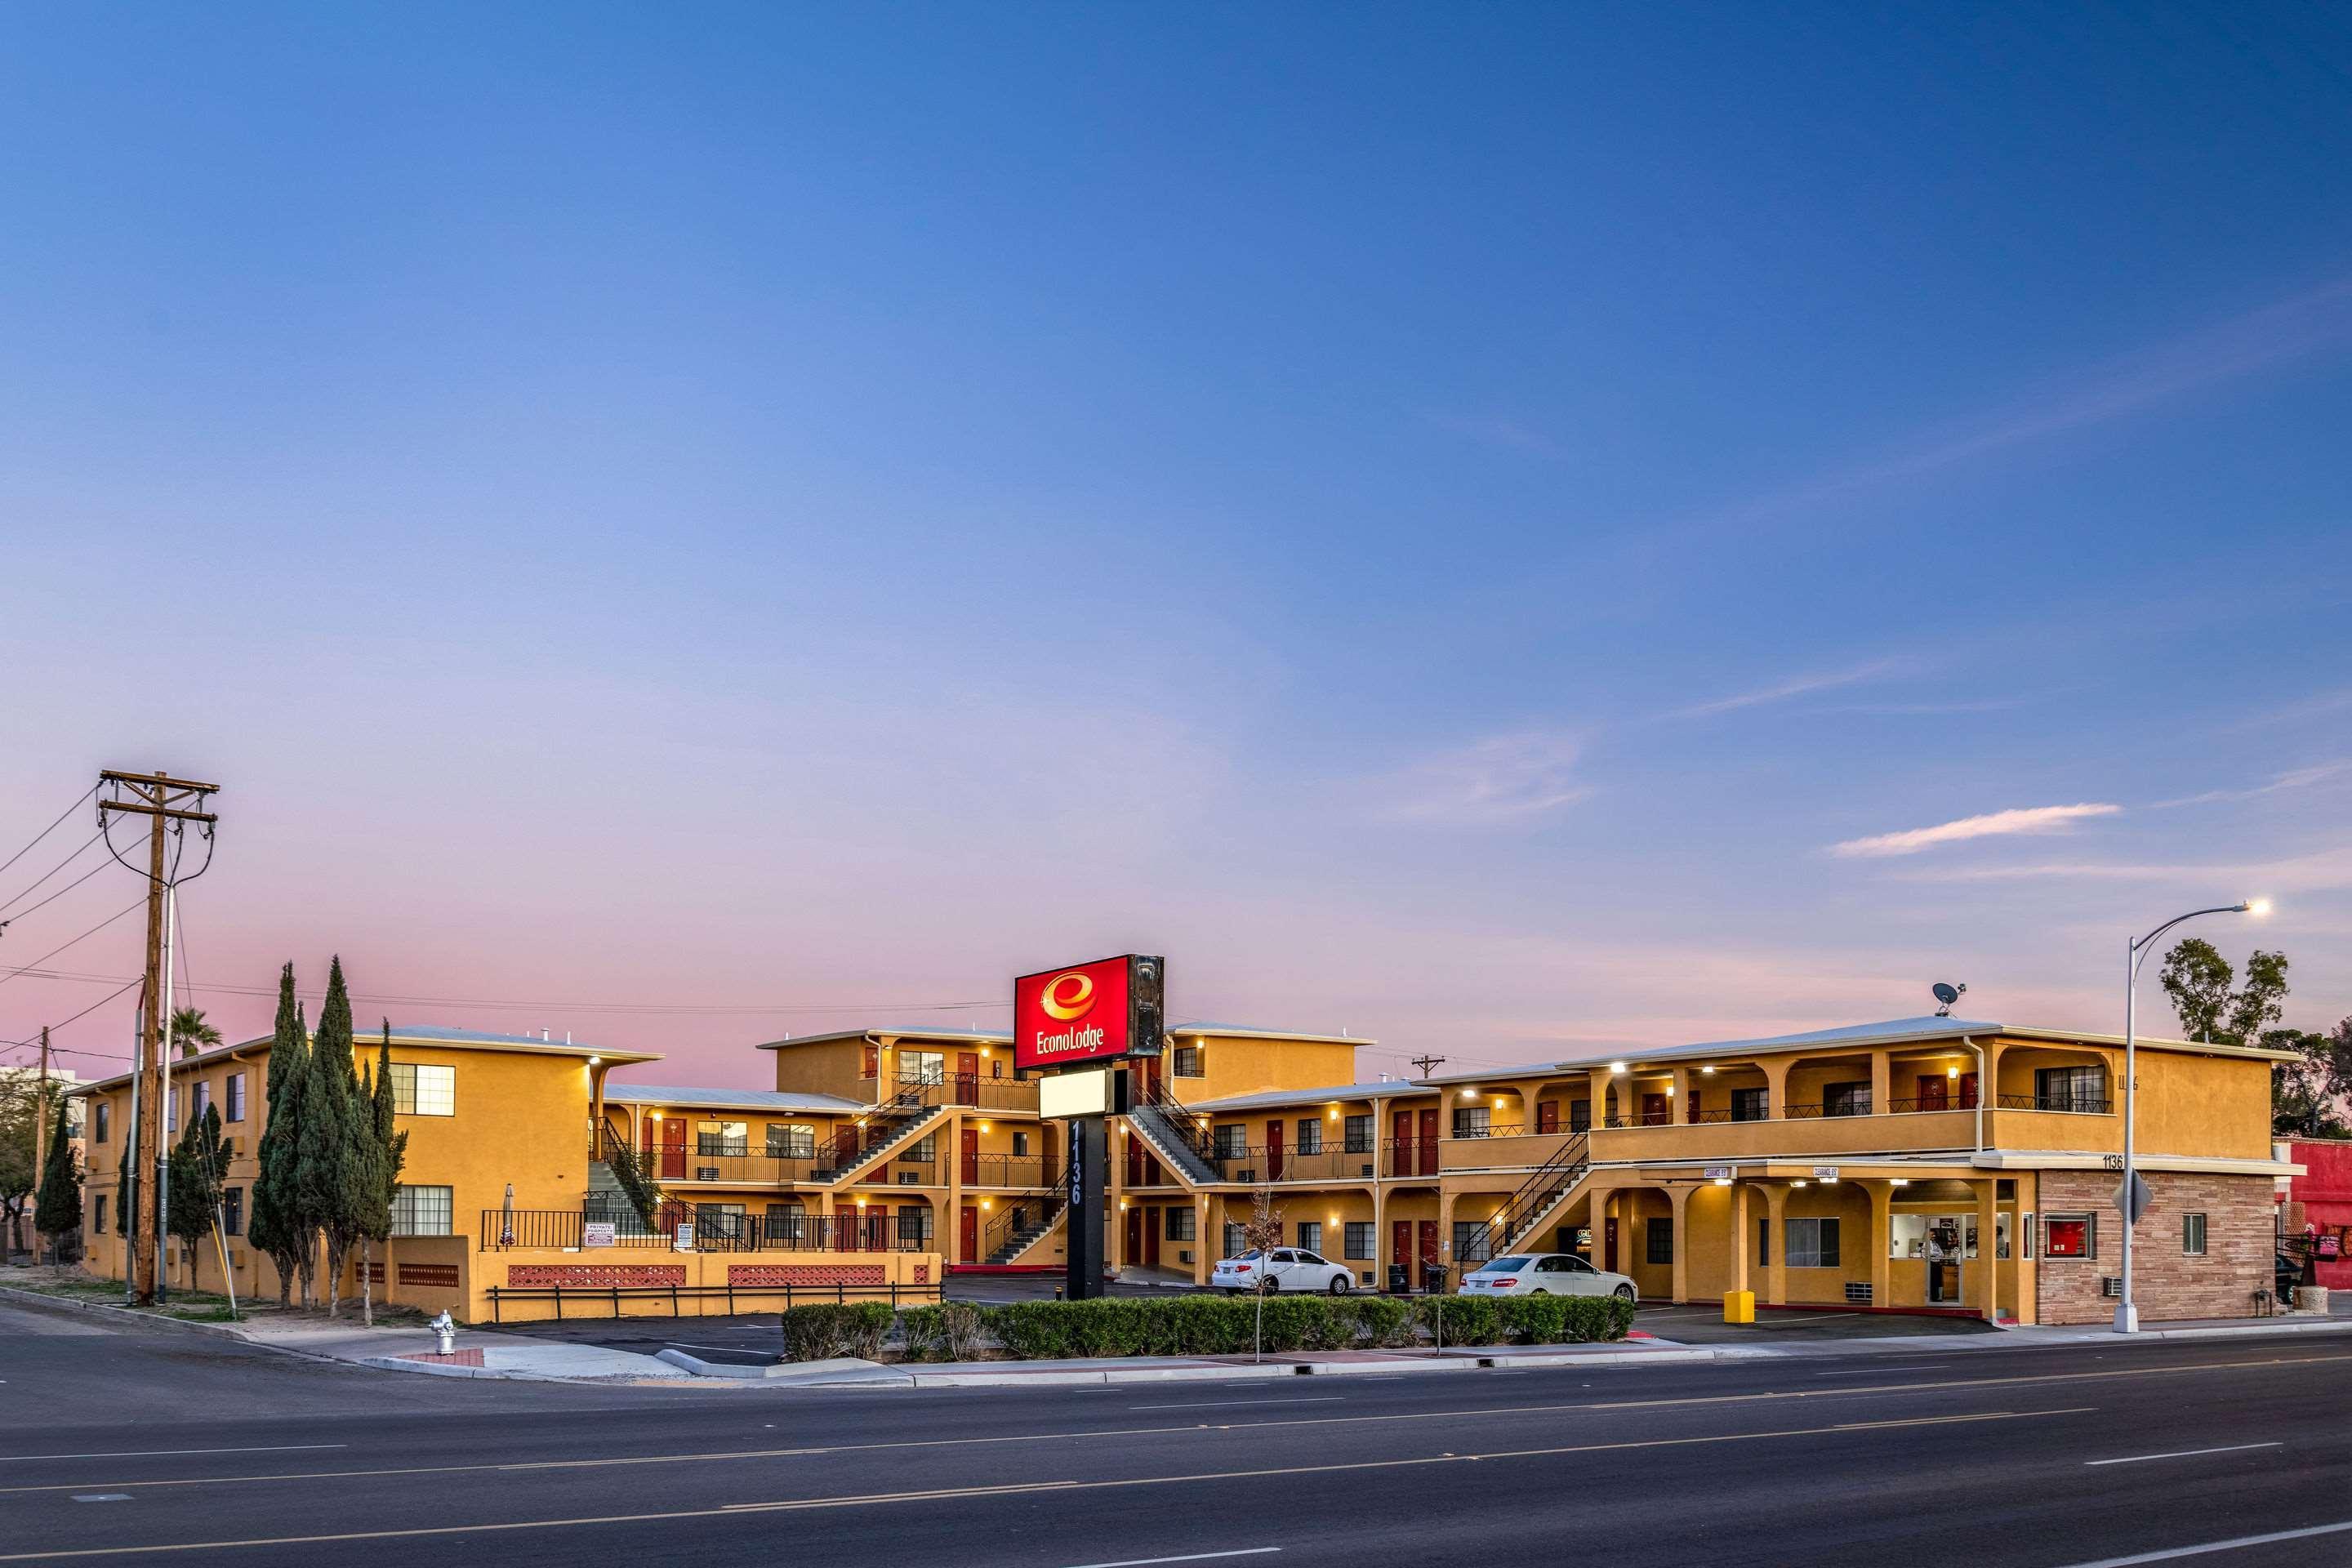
566	1230
1409	1157
1260	1163
2078	1103
1491	1129
967	1089
1913	1105
1022	1172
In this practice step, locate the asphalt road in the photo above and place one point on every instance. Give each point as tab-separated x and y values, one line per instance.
117	1446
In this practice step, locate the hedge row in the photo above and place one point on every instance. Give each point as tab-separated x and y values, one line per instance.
1196	1325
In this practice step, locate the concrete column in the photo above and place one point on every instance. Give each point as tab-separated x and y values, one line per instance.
1206	1242
1602	1078
1881	1242
1115	1139
1679	1110
1775	1093
1776	1241
1742	1239
1379	1236
1986	1266
1529	1093
951	1140
1680	1197
1597	1219
1444	1239
1882	1083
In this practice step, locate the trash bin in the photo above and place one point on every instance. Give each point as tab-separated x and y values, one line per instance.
1432	1278
1400	1279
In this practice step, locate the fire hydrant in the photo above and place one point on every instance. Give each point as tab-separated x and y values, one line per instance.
444	1333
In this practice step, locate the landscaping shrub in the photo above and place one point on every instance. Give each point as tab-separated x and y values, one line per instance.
1465	1319
922	1333
823	1330
1384	1320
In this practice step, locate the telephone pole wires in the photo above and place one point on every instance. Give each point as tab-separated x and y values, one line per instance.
41	1113
169	804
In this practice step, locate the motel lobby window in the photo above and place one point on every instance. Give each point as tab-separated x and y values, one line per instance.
419	1089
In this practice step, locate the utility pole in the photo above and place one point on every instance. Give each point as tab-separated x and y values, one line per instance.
168	803
41	1112
1426	1063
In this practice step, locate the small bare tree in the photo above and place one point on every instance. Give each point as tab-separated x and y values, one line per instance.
1262	1232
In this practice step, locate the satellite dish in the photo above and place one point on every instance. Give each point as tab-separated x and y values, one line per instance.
1944	996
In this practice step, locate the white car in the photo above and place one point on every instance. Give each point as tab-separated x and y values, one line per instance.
1545	1274
1291	1268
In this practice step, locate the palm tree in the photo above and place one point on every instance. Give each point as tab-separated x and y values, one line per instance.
189	1028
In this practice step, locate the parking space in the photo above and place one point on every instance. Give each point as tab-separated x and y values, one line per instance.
1701	1323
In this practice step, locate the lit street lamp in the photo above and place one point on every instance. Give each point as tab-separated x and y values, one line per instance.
2127	1309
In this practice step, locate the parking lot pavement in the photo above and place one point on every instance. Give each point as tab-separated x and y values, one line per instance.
1701	1323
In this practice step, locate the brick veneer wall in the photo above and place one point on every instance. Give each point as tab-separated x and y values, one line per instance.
2166	1282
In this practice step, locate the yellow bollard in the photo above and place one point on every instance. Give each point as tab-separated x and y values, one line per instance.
1740	1306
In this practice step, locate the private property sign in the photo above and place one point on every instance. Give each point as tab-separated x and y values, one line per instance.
1087	1013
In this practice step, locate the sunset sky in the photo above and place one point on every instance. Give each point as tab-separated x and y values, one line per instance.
1497	529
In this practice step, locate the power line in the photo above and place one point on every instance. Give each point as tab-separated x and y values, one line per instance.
63	945
44	832
53	898
52	872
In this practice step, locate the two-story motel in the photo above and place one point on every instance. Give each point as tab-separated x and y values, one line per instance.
1921	1164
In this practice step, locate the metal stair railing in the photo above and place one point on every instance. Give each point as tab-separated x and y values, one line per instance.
1539	1194
1178	1134
1011	1239
889	1125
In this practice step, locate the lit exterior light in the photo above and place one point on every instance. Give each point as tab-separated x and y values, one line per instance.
1951	1072
1722	1180
595	1061
1798	1182
987	1203
1616	1066
1670	1091
1709	1072
2258	907
1899	1182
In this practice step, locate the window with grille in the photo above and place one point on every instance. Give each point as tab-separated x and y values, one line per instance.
1661	1240
1580	1116
1357	1236
1748	1105
1846	1099
789	1141
1310	1136
1233	1242
422	1211
1229	1142
922	1067
1187	1062
1358	1131
914	1227
1310	1235
1474	1242
2070	1089
421	1089
1812	1243
1472	1121
1179	1223
923	1150
786	1222
715	1138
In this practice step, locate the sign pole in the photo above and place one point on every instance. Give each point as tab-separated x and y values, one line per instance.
1089	1148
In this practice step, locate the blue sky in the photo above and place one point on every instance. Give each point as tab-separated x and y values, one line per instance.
1443	521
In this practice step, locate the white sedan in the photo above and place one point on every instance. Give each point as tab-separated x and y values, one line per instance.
1291	1269
1545	1274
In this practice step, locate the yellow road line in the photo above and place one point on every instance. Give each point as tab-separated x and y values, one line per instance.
946	1494
911	1443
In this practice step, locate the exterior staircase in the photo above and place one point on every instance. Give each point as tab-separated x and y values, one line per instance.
1005	1241
1540	1197
1175	1135
897	1122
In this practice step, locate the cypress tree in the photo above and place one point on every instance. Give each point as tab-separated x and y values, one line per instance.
384	1151
328	1173
199	1168
276	1226
57	1210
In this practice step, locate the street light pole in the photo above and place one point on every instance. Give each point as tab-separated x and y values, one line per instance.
2127	1309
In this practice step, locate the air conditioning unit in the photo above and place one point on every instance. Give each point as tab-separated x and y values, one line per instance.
910	1178
1184	1257
1858	1292
706	1173
1250	1175
1367	1169
2111	1286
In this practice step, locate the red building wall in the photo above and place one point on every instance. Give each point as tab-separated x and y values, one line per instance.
2325	1191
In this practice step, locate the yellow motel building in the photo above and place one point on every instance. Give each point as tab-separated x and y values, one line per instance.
1923	1165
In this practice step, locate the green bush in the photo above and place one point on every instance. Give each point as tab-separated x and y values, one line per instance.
823	1330
923	1331
1383	1319
1464	1319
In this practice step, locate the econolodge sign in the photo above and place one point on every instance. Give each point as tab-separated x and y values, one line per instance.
1064	1017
